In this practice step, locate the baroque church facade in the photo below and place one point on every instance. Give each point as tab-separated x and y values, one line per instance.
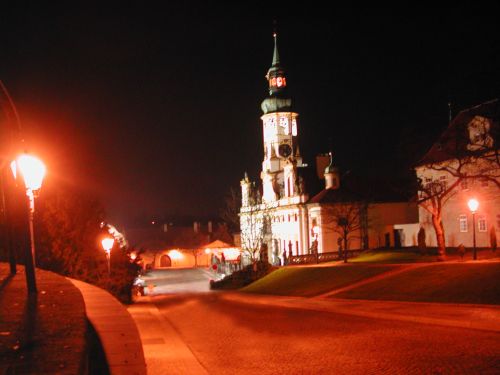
279	219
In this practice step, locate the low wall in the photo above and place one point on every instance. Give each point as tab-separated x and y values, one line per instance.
116	330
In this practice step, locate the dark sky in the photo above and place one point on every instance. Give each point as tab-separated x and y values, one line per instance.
157	110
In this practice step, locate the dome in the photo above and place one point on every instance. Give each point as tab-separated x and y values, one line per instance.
276	104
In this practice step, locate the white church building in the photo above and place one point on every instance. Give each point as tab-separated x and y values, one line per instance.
280	219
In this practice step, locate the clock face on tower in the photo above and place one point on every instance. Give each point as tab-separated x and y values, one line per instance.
285	150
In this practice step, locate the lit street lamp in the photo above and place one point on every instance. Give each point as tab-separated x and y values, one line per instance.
107	245
32	171
473	205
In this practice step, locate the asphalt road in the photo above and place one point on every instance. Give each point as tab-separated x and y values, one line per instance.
184	280
206	333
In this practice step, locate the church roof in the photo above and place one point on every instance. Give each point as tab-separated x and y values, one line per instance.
218	244
340	195
473	131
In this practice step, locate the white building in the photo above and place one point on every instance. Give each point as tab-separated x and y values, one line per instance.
282	217
462	165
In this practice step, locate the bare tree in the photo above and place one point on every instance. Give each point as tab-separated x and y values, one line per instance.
229	213
348	220
196	252
254	227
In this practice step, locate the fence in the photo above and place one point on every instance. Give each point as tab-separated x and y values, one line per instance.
321	257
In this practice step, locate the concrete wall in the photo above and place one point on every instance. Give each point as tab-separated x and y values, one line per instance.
385	218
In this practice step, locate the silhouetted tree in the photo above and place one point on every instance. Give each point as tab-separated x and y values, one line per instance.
348	220
68	236
229	213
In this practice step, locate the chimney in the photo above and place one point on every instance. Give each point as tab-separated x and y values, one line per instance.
210	227
195	227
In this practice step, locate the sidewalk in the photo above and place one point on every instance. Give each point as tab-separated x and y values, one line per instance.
164	349
482	317
45	333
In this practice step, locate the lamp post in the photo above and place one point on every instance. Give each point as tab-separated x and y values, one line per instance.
473	205
107	245
32	171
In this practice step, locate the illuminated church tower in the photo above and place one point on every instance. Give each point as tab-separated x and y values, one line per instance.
281	151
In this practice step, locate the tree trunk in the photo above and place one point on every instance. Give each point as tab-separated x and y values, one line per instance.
345	246
439	229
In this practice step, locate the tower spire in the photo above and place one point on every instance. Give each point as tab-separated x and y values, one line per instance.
276	56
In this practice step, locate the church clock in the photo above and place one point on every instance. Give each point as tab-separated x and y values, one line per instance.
284	150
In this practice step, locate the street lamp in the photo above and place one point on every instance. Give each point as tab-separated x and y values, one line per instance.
32	171
473	205
107	245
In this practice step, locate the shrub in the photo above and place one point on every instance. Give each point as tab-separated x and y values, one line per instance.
422	246
461	250
493	238
244	277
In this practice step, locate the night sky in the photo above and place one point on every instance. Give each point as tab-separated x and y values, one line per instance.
157	111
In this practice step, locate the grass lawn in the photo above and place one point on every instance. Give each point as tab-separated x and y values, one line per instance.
392	257
411	256
449	283
311	281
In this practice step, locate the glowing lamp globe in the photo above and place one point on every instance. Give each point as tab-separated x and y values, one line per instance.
107	244
473	204
31	169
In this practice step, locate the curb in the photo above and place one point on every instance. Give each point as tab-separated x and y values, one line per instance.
116	330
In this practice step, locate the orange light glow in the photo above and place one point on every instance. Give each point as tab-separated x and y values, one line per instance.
133	256
107	244
231	253
207	251
473	204
31	169
175	254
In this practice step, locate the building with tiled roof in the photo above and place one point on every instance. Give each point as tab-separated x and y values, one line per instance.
463	164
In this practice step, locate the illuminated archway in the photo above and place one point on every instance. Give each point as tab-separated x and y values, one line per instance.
165	261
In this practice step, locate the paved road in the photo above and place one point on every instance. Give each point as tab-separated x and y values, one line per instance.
209	334
186	280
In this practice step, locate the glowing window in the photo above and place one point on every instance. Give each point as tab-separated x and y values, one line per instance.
481	223
463	223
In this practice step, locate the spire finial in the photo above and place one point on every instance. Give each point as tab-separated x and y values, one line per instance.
276	56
